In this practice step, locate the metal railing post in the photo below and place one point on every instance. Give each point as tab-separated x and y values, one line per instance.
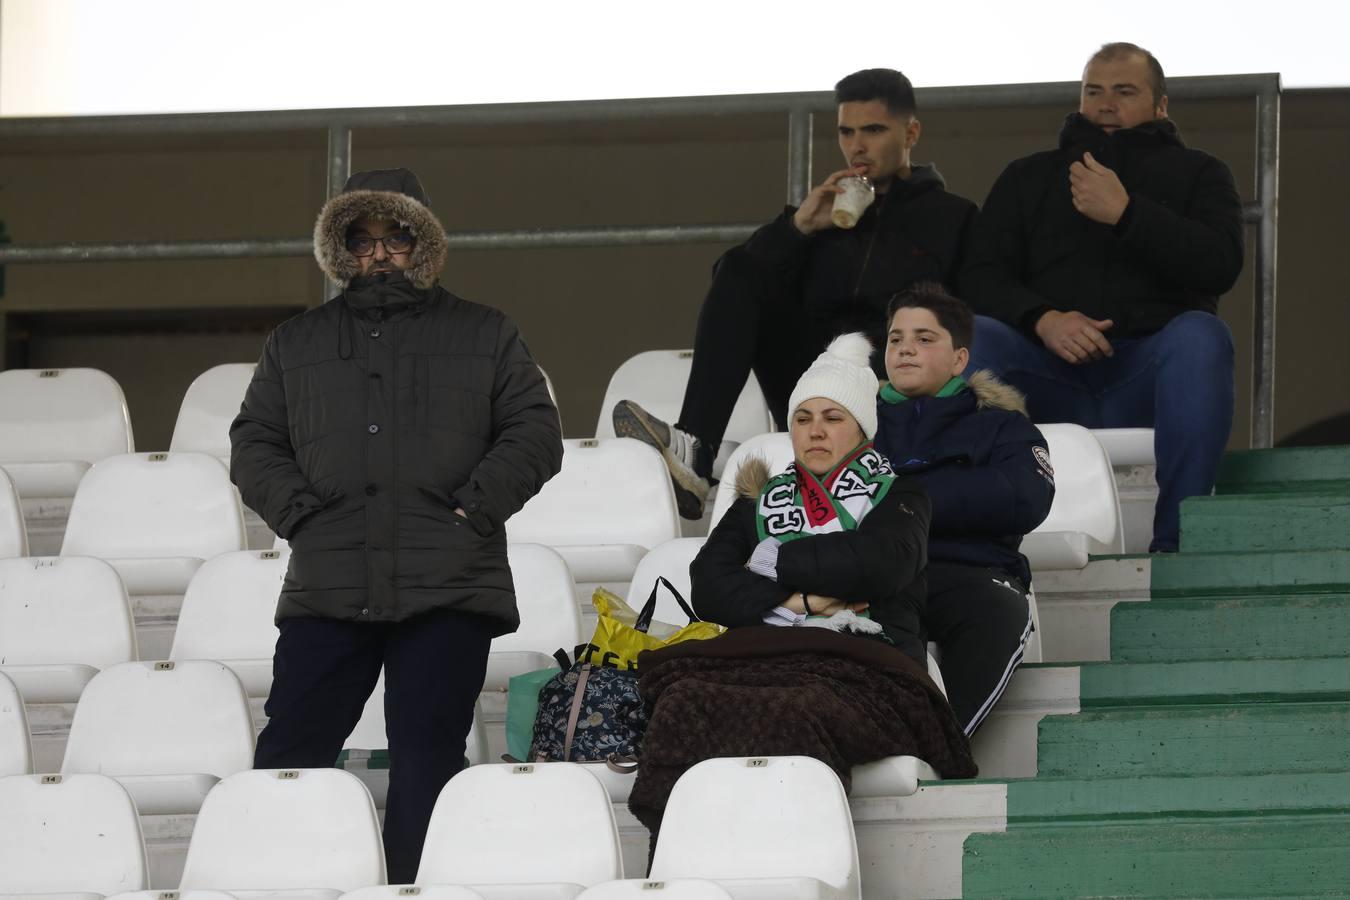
339	170
800	126
1267	198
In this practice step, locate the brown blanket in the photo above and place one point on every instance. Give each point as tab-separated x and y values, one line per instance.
766	691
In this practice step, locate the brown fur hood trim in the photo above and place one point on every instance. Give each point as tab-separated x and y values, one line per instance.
752	476
990	393
337	215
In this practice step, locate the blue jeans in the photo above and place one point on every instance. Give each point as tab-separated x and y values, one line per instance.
1178	381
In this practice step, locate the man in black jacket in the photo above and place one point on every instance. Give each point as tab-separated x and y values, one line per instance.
778	299
388	435
1099	266
987	472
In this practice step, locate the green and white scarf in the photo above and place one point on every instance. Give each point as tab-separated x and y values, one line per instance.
796	503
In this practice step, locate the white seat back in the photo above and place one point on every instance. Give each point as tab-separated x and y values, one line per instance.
549	618
70	609
161	718
69	833
277	829
155	505
403	892
16	751
13	531
208	409
776	449
177	895
498	824
675	889
1085	516
669	560
655	380
732	818
1127	446
228	614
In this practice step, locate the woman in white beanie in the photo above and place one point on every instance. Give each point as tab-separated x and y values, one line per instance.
837	532
835	540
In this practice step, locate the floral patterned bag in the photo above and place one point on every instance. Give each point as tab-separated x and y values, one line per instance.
589	713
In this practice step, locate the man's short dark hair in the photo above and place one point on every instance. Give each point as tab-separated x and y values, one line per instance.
1157	82
951	313
887	85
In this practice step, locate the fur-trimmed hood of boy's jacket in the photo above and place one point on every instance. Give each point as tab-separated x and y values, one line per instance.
990	393
389	194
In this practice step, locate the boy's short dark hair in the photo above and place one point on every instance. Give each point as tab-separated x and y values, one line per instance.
951	313
887	85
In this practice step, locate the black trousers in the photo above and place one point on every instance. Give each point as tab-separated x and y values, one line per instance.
323	673
981	620
748	321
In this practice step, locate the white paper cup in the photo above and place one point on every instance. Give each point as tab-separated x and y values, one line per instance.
853	202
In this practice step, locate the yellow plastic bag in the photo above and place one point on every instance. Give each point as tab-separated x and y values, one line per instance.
623	632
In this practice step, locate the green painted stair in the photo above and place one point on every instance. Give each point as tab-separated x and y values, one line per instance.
1320	469
1224	682
1188	574
1264	522
1256	627
1258	856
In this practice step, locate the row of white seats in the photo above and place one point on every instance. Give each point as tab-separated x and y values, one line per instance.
677	889
518	831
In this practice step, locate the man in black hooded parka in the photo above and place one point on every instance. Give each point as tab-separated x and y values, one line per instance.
1096	269
387	435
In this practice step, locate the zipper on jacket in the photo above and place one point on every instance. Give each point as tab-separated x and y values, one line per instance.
871	242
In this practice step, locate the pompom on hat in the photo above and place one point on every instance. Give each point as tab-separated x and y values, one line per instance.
842	374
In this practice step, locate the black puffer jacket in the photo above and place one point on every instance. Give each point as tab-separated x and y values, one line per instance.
372	417
843	278
881	563
1178	246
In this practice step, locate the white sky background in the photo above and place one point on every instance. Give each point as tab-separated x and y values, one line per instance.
84	57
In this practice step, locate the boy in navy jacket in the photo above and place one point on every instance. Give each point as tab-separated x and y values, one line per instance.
987	470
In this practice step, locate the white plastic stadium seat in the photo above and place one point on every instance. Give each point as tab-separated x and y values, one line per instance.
173	895
1085	516
421	892
286	829
669	560
61	620
776	826
655	380
776	449
611	502
676	889
13	533
1127	446
66	834
228	615
496	829
155	517
167	730
549	617
16	751
208	409
59	422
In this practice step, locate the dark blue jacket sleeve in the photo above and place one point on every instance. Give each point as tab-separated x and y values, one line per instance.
1010	493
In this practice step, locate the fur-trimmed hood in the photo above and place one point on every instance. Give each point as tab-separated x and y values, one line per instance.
990	393
383	194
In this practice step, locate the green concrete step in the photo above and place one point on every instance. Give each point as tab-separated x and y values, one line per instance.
1254	739
1280	627
1240	574
1214	682
1320	469
1248	857
1261	522
1044	800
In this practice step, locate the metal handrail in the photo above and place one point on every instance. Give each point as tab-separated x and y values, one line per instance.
800	108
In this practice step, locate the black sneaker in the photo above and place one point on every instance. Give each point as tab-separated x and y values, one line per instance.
678	448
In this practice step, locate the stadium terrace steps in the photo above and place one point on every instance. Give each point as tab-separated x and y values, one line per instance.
1233	523
1252	627
1264	574
1317	469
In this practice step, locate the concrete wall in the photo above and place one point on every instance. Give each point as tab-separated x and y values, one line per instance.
582	311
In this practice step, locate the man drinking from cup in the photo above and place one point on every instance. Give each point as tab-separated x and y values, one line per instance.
779	298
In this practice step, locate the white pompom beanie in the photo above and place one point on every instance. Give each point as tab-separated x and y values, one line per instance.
842	374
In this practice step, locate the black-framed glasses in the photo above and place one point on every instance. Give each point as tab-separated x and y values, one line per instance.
364	244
